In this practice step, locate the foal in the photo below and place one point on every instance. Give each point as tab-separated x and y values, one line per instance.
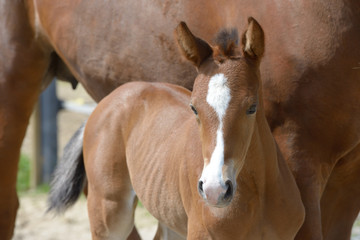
213	173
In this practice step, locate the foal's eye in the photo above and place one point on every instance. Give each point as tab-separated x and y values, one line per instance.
251	110
193	109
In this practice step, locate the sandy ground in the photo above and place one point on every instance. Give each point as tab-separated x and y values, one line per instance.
32	222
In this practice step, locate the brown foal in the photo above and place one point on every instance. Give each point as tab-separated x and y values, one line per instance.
214	173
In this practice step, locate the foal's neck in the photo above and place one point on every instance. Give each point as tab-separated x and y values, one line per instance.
263	158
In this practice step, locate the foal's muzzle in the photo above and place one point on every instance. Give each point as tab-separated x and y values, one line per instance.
216	195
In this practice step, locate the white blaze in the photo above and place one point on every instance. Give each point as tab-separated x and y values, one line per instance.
218	97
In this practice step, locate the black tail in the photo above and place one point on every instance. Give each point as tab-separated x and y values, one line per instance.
69	177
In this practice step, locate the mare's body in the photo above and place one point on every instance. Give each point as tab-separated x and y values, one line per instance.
310	76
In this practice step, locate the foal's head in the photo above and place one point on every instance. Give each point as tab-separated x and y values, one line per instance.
225	100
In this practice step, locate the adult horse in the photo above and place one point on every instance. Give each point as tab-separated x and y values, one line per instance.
310	79
144	141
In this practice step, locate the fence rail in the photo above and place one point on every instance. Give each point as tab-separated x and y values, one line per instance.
45	133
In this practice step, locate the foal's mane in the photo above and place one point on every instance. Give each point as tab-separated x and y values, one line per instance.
226	42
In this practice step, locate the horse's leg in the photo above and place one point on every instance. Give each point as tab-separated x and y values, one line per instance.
318	186
134	235
340	203
164	233
310	193
22	65
111	213
17	98
111	198
196	230
306	173
311	168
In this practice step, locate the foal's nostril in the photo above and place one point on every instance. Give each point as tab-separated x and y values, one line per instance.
200	187
229	191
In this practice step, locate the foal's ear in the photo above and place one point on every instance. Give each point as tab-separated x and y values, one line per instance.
253	39
194	49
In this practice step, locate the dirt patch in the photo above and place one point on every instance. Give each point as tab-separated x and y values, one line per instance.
34	224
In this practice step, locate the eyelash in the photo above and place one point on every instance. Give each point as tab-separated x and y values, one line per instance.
193	109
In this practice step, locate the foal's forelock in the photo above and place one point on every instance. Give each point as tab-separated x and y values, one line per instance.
226	42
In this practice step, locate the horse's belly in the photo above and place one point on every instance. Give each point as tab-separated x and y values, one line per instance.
156	184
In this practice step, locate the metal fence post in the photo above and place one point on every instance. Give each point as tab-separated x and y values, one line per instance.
49	106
